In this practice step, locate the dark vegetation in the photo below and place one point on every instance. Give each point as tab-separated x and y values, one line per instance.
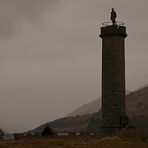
47	132
130	138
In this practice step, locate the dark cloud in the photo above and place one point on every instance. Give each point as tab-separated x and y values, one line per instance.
15	12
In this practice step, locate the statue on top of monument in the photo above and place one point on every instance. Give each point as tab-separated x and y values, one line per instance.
113	16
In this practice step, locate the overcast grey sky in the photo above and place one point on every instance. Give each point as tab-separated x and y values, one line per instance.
50	55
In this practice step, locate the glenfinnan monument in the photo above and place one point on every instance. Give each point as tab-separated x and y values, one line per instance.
113	36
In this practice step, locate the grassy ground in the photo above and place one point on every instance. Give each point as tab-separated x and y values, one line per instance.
76	142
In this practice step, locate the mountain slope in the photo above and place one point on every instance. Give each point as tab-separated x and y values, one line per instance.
137	102
88	108
137	109
67	124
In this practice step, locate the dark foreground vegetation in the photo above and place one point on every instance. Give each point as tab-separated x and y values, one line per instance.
126	139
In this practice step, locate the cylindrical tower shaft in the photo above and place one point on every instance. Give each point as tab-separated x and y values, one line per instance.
113	78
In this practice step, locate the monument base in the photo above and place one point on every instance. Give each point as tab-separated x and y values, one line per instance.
109	127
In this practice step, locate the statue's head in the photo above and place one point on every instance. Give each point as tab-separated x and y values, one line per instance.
112	9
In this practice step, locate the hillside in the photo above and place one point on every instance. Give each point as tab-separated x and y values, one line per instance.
88	108
72	124
137	102
137	109
91	107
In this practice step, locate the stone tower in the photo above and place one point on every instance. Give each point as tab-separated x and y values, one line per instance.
113	77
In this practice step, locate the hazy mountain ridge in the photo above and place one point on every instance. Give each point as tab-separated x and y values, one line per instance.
88	108
72	124
137	109
91	107
137	102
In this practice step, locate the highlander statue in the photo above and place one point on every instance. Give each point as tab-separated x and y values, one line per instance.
113	16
